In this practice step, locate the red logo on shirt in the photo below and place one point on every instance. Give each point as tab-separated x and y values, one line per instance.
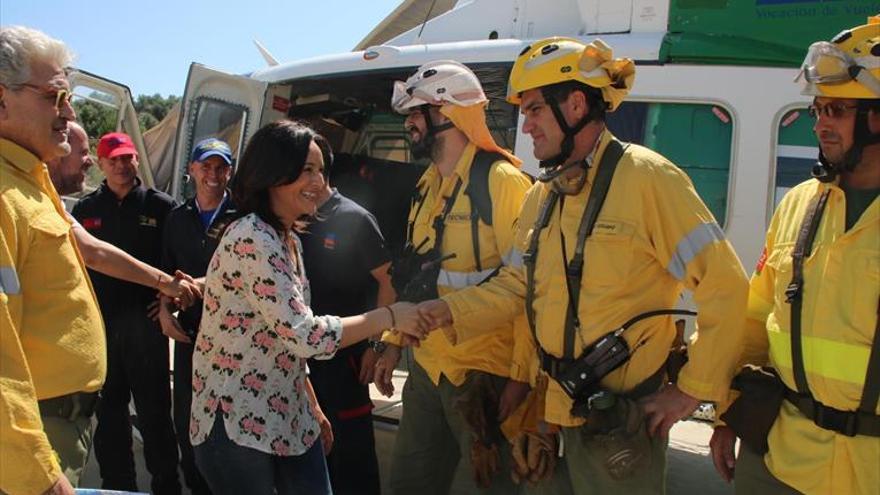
330	241
761	261
91	223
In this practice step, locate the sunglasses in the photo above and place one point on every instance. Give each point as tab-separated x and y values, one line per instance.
831	110
61	96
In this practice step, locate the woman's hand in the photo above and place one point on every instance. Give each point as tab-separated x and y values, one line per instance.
326	430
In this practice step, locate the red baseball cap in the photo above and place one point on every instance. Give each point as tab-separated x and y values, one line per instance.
114	144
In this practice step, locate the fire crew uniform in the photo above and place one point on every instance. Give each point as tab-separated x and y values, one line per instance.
431	429
137	351
187	245
653	237
52	353
842	281
339	252
840	301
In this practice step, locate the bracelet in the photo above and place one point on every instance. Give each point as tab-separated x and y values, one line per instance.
159	281
391	312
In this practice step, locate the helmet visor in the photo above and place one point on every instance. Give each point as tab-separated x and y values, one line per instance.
826	64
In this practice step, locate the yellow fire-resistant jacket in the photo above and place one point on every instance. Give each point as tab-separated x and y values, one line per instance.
493	350
653	237
51	332
840	295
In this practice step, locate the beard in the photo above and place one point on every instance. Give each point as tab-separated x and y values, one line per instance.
424	148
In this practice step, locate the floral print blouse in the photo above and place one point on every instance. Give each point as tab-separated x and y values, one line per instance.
257	330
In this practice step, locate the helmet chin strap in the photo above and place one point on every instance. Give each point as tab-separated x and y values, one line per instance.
567	145
825	171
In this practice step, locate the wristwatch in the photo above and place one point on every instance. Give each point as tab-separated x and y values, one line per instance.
378	346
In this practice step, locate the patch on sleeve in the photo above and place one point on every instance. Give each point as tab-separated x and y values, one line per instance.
761	261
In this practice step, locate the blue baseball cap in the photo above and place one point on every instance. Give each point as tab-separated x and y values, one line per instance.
211	147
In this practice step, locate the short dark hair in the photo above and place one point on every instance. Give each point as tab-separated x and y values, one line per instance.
560	92
275	156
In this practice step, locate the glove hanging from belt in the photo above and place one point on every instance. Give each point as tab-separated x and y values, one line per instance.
478	405
534	443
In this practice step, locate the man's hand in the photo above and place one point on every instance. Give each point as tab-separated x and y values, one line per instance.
170	326
664	408
435	313
368	363
384	370
61	487
511	397
407	320
182	288
721	447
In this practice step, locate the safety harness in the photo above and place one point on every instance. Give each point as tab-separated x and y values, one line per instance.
578	376
862	421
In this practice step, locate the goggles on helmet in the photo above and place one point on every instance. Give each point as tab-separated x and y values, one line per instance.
827	64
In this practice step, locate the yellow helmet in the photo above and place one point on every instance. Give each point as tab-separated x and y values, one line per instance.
555	60
846	67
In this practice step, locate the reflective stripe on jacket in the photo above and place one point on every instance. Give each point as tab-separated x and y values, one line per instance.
841	290
653	238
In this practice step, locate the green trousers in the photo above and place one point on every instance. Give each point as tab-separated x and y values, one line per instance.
582	471
433	444
751	476
71	440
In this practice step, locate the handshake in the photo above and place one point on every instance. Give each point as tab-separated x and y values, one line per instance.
415	321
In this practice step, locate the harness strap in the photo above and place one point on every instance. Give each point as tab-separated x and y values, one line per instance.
574	270
863	421
871	392
795	290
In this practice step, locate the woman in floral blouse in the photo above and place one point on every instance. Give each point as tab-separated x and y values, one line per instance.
253	426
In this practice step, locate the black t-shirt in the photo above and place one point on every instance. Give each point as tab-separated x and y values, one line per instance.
188	246
134	225
339	251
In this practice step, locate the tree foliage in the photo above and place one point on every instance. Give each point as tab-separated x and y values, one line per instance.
98	119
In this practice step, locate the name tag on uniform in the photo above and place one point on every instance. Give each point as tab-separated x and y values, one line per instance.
146	221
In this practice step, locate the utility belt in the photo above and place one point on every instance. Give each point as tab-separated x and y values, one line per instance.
580	377
849	423
70	406
753	413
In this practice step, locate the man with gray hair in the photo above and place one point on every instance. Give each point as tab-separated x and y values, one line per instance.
52	351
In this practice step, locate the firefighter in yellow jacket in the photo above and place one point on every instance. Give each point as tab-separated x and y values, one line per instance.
652	238
454	241
814	319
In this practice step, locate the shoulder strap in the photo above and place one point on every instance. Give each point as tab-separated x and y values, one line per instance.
795	290
871	392
574	271
440	220
529	259
481	201
605	172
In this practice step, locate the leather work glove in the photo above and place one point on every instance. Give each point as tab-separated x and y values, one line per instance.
478	405
533	442
485	460
534	457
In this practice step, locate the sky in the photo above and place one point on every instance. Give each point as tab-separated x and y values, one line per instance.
148	45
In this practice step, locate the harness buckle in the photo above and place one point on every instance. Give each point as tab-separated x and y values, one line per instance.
792	292
844	422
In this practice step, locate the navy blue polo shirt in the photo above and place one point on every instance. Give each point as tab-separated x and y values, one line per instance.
134	225
340	249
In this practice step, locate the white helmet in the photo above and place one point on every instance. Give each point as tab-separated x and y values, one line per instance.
438	83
